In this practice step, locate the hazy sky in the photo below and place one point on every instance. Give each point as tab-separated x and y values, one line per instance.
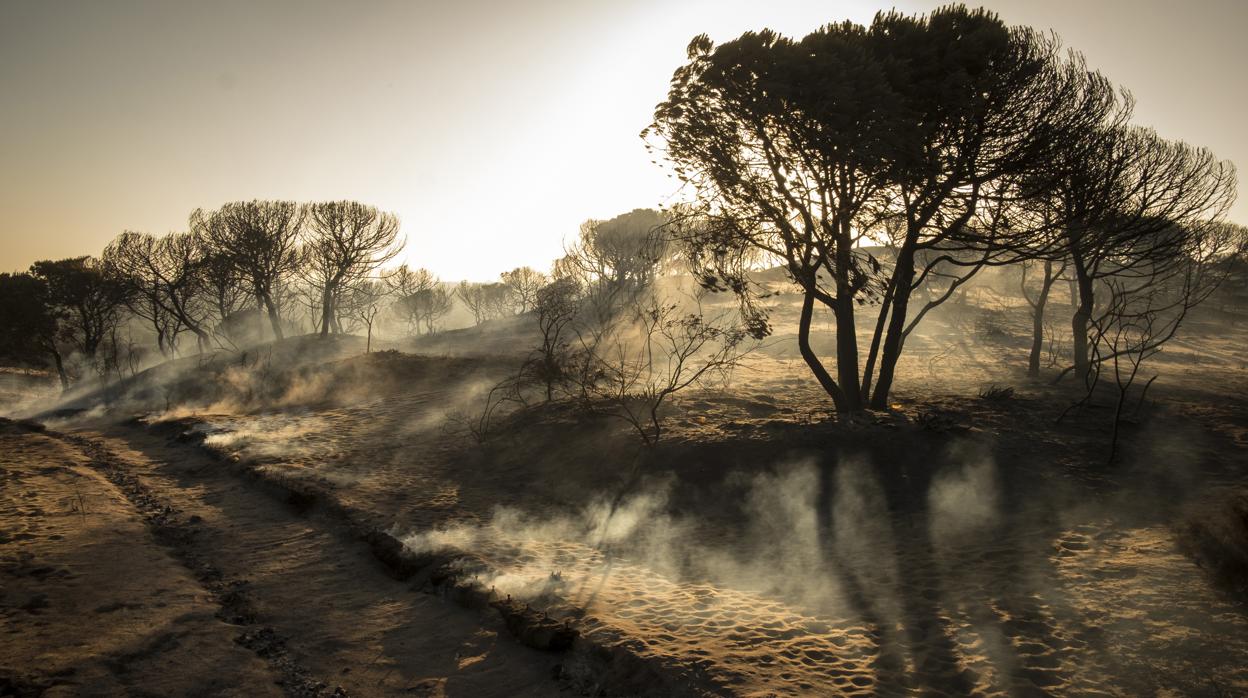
492	128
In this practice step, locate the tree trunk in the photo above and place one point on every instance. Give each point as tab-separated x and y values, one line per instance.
868	373
274	319
903	276
260	316
812	360
1081	320
202	338
847	353
60	369
1037	321
846	329
327	310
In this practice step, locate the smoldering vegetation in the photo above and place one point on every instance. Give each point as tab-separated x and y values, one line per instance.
792	521
969	574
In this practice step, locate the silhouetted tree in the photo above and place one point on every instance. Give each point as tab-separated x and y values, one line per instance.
524	284
29	324
1145	309
556	306
259	239
346	242
166	278
428	306
225	292
806	149
993	116
660	351
87	301
1050	273
420	297
1130	204
362	301
484	301
406	281
615	261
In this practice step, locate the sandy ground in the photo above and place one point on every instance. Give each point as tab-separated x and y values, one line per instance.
90	603
953	546
318	613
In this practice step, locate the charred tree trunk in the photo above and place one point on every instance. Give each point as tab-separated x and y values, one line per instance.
812	360
877	335
846	328
274	317
202	338
847	353
1037	320
60	369
1082	320
327	310
903	286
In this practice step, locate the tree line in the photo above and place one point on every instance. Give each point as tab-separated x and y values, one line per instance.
240	272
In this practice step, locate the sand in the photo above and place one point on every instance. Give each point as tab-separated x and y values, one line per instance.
952	546
90	604
318	613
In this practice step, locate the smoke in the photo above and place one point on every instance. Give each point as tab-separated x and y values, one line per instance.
787	541
271	436
964	499
453	404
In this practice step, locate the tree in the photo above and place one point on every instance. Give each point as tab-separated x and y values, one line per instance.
428	305
810	150
642	364
1050	274
405	283
484	301
524	284
1016	108
165	276
29	324
615	261
1145	309
556	306
222	287
346	242
628	370
259	240
420	297
87	300
1129	204
362	302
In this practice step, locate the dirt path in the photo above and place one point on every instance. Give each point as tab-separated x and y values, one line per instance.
316	610
90	602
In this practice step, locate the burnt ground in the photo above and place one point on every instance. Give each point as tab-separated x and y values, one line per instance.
953	545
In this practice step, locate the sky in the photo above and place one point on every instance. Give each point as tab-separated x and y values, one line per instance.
493	129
